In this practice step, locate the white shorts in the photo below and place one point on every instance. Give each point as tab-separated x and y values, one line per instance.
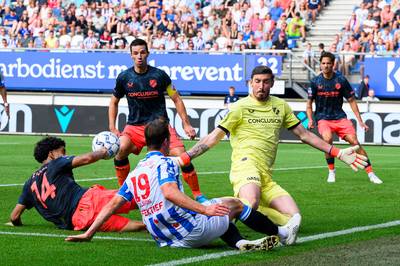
208	228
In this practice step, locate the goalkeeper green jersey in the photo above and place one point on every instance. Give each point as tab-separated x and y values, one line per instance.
254	128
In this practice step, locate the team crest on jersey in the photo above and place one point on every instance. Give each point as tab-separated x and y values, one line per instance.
320	87
337	86
153	83
251	111
130	84
276	110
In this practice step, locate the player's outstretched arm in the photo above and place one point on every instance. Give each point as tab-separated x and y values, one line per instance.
105	213
201	146
172	193
348	156
89	158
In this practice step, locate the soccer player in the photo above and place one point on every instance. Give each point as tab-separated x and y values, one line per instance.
254	123
328	90
3	93
144	87
172	218
54	193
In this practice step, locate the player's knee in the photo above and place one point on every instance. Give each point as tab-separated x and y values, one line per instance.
234	204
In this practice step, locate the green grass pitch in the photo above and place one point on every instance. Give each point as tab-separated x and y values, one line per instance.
350	202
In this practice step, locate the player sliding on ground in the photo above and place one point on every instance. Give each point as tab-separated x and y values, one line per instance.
174	219
53	192
254	125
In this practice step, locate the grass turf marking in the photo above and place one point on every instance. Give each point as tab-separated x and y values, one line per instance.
200	173
64	236
299	240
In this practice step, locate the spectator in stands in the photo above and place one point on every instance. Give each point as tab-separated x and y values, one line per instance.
354	44
198	41
354	23
90	42
308	55
52	40
313	8
99	22
362	13
281	43
276	11
279	31
348	59
269	24
386	16
371	97
296	28
255	21
207	32
39	41
247	32
266	42
369	24
77	38
376	11
3	92
105	39
120	42
363	88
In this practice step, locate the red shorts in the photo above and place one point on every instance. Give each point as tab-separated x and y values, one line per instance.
91	204
136	135
341	127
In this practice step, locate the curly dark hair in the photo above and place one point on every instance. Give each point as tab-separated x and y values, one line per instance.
46	145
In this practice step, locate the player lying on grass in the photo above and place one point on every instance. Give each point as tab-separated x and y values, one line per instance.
254	125
54	193
172	218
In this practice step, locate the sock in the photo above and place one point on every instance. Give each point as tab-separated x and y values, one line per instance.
232	236
122	168
275	216
331	163
257	221
282	232
190	176
368	168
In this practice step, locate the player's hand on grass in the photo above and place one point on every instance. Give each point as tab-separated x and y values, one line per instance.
190	132
79	238
216	210
350	157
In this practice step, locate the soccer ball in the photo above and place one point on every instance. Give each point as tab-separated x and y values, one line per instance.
108	140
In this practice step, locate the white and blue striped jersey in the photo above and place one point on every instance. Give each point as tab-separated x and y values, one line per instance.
166	222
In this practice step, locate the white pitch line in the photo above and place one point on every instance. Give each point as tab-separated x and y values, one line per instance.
64	236
200	173
299	240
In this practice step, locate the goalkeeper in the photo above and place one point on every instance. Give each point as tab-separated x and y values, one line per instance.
254	124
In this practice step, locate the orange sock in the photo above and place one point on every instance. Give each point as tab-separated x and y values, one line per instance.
368	169
192	180
331	166
122	168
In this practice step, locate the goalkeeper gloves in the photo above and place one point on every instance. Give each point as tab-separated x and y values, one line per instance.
350	157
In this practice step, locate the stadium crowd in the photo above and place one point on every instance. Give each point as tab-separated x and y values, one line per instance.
216	25
373	28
